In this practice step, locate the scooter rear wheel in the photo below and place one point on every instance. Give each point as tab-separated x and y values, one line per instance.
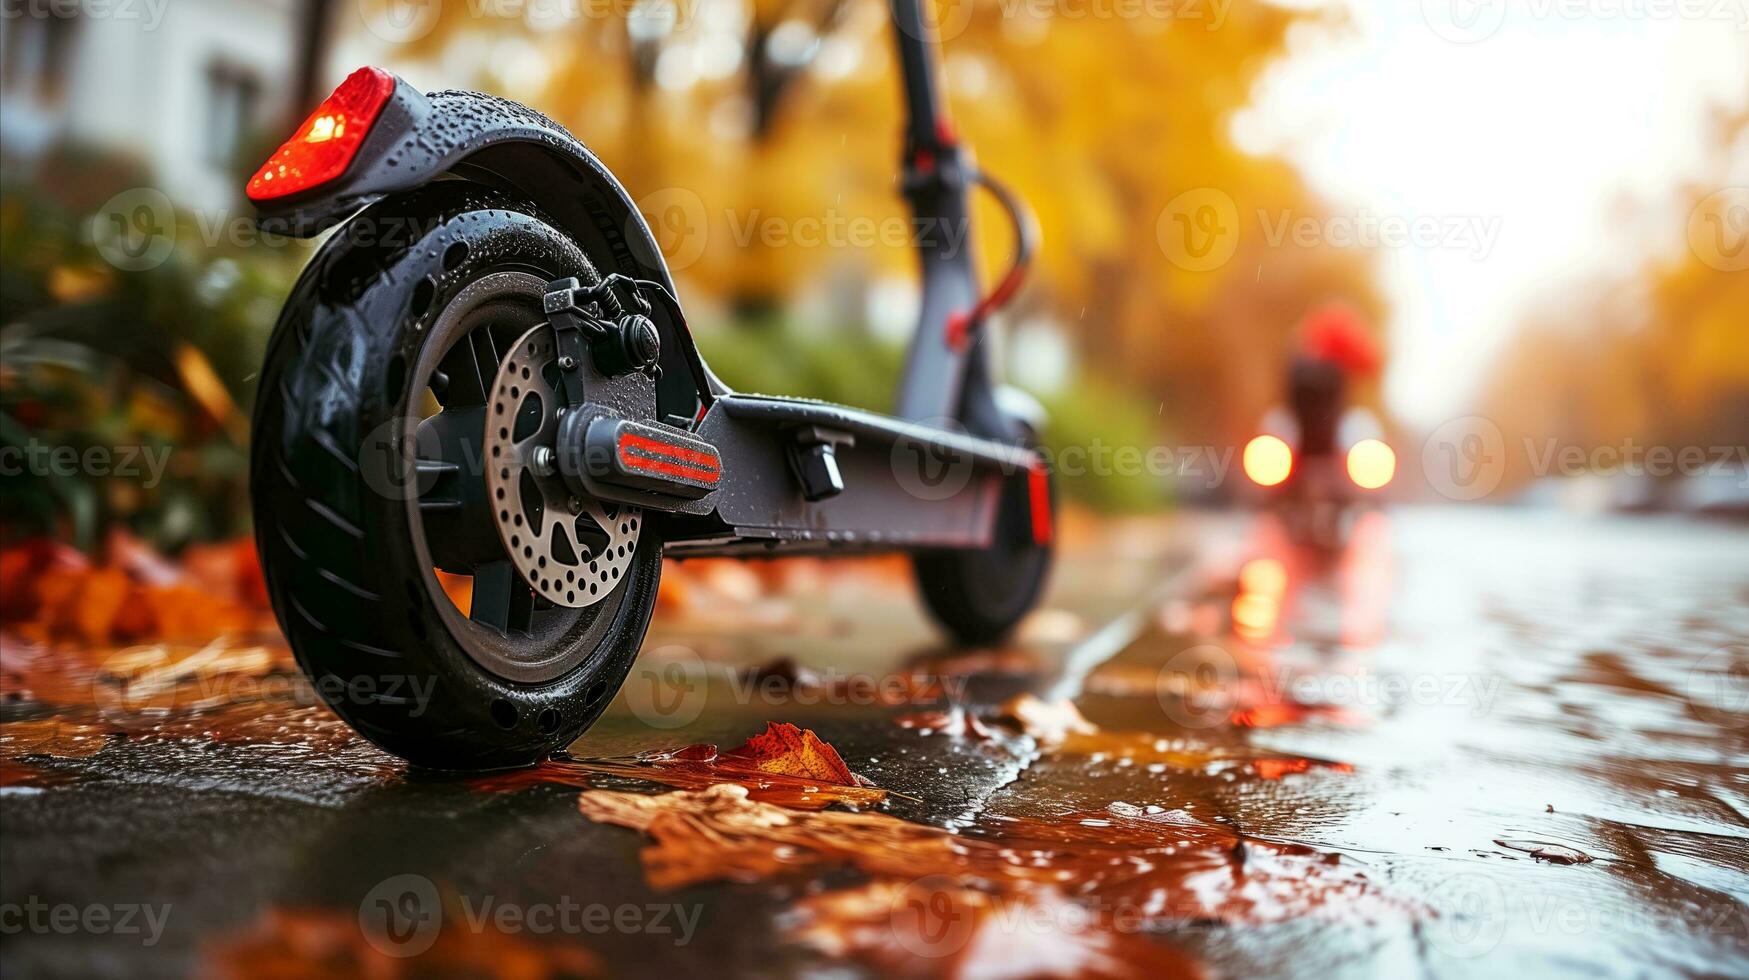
979	596
368	471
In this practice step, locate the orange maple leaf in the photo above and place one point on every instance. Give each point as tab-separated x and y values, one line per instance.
784	765
785	750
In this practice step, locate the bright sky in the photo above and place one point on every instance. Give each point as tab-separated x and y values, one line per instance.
1534	139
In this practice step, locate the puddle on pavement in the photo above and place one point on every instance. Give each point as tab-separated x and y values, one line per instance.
1395	756
1548	734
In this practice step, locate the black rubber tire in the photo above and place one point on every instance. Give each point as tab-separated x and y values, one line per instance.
354	594
979	596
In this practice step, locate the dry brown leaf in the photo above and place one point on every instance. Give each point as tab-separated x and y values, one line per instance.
1164	866
784	765
51	593
231	569
20	566
788	791
785	750
1047	721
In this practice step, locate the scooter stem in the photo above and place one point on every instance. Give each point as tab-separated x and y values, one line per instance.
948	375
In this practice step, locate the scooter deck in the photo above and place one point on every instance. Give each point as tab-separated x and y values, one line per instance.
894	484
781	410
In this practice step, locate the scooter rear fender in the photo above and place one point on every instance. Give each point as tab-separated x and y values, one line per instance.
419	138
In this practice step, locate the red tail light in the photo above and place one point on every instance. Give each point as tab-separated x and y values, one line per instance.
323	147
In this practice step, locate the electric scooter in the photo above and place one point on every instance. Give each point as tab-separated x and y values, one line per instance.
486	370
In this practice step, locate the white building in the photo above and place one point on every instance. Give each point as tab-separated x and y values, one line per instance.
187	87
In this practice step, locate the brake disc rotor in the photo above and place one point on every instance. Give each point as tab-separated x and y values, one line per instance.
572	550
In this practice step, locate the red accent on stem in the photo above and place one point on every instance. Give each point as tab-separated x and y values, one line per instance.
1038	488
957	331
959	325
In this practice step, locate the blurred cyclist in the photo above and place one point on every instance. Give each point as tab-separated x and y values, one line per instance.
1335	350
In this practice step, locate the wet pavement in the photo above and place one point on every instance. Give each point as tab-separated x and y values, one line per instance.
1469	742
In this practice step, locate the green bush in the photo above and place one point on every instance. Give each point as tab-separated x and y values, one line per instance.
135	365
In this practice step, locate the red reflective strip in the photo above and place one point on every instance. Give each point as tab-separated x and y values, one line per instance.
668	450
1038	487
646	455
666	468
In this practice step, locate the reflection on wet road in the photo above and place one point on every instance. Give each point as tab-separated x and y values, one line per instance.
1547	723
1467	742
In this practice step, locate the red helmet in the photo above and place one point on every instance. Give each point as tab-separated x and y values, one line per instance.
1336	333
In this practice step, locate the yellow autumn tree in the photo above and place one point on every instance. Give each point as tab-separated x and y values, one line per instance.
760	135
1660	358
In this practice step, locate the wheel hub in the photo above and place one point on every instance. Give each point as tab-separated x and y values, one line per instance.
571	550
